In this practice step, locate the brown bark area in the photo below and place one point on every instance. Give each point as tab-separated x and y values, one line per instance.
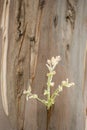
38	30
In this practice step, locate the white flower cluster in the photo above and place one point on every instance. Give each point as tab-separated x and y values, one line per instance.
67	84
51	64
28	94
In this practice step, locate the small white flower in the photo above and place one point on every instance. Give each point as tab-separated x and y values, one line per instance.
52	84
33	96
45	92
58	58
24	92
70	84
64	83
67	84
49	62
53	60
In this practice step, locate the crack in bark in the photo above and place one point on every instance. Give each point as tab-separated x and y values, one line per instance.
42	3
21	33
71	13
19	92
22	41
55	20
20	18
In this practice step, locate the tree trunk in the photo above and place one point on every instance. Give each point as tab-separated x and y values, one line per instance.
32	31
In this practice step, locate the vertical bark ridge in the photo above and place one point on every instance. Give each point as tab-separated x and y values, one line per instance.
85	86
21	29
35	46
4	25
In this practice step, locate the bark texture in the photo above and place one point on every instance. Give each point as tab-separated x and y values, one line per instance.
32	31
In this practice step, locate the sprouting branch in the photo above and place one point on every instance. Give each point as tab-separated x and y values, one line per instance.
50	98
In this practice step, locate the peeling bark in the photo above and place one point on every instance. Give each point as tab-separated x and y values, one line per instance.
5	27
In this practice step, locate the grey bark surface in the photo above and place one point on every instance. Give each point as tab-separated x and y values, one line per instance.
34	31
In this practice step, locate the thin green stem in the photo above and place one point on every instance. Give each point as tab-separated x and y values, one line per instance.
49	85
40	100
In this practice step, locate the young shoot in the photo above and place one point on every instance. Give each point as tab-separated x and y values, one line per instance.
50	98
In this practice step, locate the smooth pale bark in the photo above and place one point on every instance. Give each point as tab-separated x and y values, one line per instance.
36	31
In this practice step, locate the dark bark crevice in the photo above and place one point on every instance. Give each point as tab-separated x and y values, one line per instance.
20	18
19	63
42	4
71	12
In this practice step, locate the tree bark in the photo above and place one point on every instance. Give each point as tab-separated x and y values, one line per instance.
32	31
